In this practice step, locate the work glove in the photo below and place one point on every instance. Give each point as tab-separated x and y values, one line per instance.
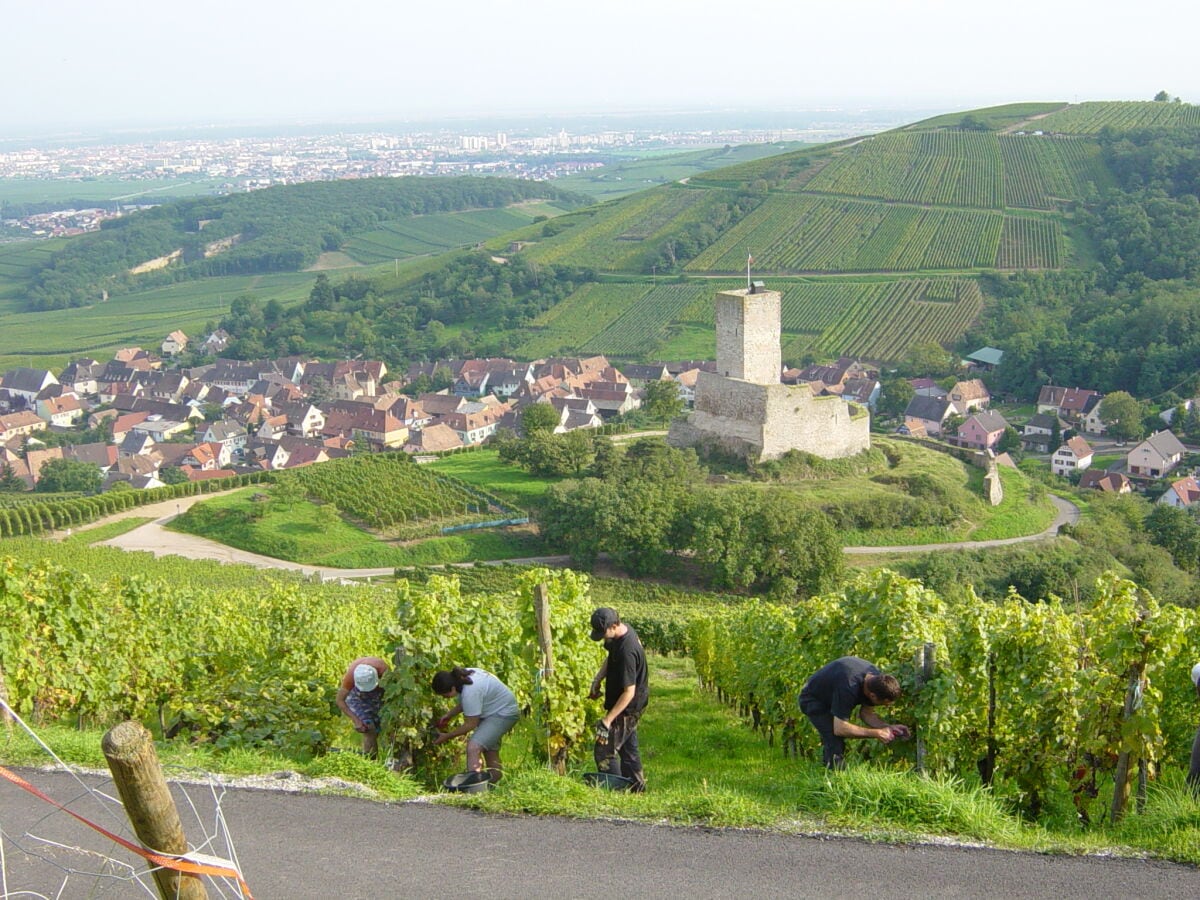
602	732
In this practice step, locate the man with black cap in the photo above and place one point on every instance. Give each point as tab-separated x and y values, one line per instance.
626	691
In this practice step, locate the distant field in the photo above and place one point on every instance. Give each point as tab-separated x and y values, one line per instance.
425	235
41	190
51	339
994	117
618	179
1093	117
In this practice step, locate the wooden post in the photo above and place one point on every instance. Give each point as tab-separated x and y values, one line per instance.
133	761
541	611
5	715
1122	777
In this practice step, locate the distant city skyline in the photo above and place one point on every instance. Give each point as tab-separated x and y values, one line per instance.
83	67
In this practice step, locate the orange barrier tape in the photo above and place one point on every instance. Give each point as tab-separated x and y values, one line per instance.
178	863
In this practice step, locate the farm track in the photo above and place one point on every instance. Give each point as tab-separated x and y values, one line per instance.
154	538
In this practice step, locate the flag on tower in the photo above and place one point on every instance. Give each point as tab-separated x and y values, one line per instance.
749	259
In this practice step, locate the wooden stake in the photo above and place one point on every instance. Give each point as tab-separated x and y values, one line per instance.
926	665
133	761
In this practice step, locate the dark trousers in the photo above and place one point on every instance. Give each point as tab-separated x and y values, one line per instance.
833	748
620	755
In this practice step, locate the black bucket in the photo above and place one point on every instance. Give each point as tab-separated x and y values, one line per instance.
467	782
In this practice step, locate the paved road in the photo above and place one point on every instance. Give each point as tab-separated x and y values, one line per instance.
306	845
1068	514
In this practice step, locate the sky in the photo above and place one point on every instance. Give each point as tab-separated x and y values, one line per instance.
79	65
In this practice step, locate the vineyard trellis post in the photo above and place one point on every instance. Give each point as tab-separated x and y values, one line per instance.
926	664
1122	786
541	614
133	761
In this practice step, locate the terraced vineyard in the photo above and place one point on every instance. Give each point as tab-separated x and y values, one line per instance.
421	235
581	316
801	233
948	168
1040	171
1094	117
387	489
644	325
623	235
1029	244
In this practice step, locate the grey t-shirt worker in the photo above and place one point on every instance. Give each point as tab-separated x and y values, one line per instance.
487	696
830	697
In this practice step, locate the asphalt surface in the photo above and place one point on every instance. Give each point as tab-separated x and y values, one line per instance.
308	845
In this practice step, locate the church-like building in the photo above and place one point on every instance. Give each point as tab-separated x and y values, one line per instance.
744	409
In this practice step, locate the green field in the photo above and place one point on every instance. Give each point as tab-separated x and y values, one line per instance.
103	190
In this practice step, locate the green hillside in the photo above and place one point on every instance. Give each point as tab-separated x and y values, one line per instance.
878	243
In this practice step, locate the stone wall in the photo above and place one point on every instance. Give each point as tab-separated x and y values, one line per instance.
764	421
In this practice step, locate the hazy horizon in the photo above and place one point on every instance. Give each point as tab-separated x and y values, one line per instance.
86	67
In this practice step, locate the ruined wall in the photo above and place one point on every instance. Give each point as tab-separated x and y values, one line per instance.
765	421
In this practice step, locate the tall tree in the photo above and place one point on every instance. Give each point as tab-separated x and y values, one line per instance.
1122	414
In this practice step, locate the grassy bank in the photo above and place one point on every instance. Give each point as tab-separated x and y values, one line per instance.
706	767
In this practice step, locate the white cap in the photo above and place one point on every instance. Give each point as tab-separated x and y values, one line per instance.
365	677
1196	674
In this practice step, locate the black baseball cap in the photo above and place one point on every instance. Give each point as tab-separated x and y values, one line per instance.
602	620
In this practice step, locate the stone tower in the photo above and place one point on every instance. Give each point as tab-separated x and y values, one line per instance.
748	335
744	409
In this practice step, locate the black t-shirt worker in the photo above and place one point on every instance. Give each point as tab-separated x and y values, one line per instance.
626	691
830	696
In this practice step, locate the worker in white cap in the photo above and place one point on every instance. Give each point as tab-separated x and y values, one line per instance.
1193	778
360	697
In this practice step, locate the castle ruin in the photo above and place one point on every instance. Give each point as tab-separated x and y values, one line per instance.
745	410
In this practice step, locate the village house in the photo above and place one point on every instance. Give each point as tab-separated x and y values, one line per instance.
161	429
687	386
930	413
61	412
215	343
1073	456
575	413
969	396
36	459
82	376
227	433
1077	407
19	423
25	384
982	430
104	456
174	343
361	421
1038	433
476	422
1155	456
1182	493
437	438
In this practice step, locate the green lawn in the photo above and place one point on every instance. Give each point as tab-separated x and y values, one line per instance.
485	469
303	534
